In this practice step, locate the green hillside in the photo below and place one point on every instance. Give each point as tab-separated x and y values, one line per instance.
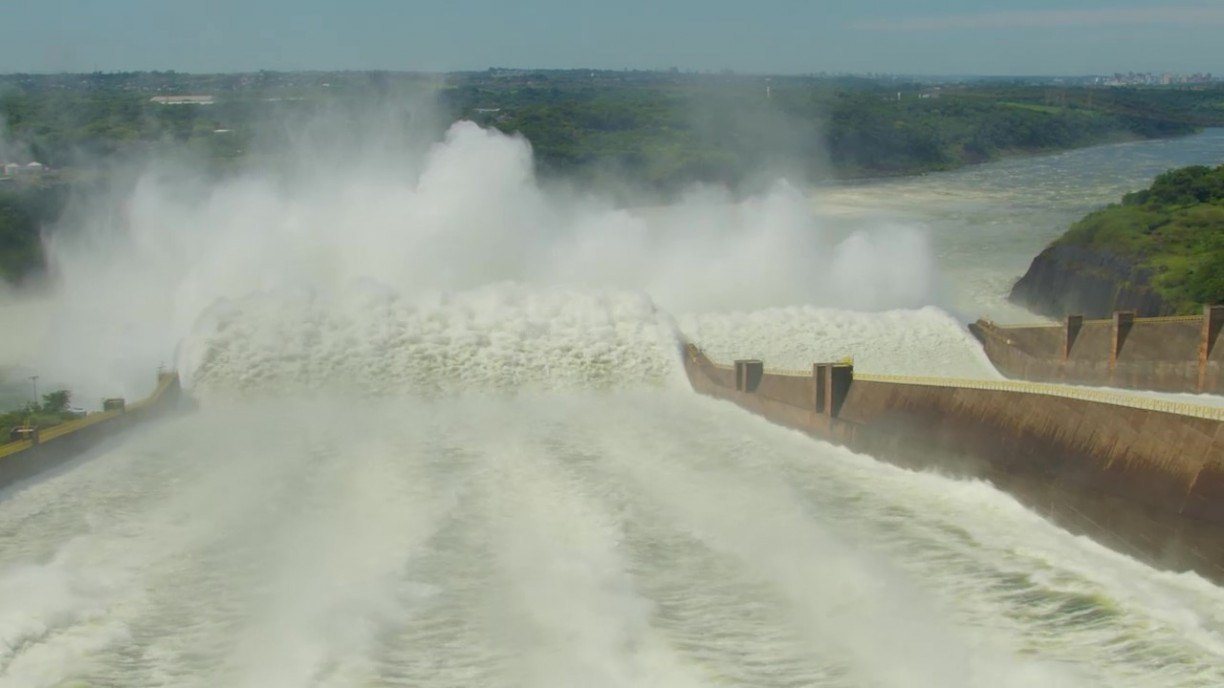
1173	230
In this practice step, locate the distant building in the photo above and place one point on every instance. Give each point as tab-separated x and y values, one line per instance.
183	100
1149	79
30	169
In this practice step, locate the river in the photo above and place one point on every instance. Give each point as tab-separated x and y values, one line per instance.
510	485
987	222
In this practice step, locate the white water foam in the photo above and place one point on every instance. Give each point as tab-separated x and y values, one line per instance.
491	339
619	539
925	341
133	274
631	538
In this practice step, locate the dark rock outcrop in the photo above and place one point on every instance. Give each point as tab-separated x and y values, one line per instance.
1067	279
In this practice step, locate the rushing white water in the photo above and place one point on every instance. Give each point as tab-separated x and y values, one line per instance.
986	223
445	441
504	337
926	341
615	539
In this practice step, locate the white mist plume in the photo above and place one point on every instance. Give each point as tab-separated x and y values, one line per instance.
132	278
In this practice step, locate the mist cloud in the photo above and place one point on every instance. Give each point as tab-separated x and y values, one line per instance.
136	269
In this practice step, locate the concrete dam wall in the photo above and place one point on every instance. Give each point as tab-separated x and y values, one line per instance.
1142	476
1173	354
59	444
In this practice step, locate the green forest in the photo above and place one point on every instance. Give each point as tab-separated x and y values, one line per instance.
1174	230
726	131
652	133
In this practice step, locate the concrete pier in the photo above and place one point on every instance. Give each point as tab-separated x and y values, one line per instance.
1171	354
1141	476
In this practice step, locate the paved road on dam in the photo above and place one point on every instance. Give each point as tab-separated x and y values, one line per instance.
620	538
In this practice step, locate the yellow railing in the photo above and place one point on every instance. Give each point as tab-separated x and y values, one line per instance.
1167	318
1103	321
799	372
1066	391
14	447
163	383
74	425
789	372
1026	326
1019	386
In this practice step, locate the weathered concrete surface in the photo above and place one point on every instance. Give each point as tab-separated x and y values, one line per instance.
23	460
1173	355
1144	482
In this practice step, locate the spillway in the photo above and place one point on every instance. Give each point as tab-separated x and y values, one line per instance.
611	539
606	535
407	472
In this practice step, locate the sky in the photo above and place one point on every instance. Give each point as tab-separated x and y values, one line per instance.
942	37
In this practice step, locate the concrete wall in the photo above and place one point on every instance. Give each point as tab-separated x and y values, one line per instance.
1167	354
20	460
1144	482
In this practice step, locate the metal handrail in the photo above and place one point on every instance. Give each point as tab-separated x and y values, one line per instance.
1102	321
1020	386
1168	318
13	447
792	372
1065	391
74	425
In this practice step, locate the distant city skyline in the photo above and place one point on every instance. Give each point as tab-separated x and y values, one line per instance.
944	37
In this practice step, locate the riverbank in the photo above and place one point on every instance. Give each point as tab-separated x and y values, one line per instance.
1158	252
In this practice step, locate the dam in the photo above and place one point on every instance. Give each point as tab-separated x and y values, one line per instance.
1143	476
615	529
514	484
1173	354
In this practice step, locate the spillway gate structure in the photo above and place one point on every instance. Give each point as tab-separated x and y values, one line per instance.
1144	476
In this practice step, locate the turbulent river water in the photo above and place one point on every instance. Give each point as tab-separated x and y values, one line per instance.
987	222
510	485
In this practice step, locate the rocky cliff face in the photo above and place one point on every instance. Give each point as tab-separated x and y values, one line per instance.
1066	279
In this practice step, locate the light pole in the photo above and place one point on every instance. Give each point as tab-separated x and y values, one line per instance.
34	380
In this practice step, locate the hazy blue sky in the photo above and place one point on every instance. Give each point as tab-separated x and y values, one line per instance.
796	36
